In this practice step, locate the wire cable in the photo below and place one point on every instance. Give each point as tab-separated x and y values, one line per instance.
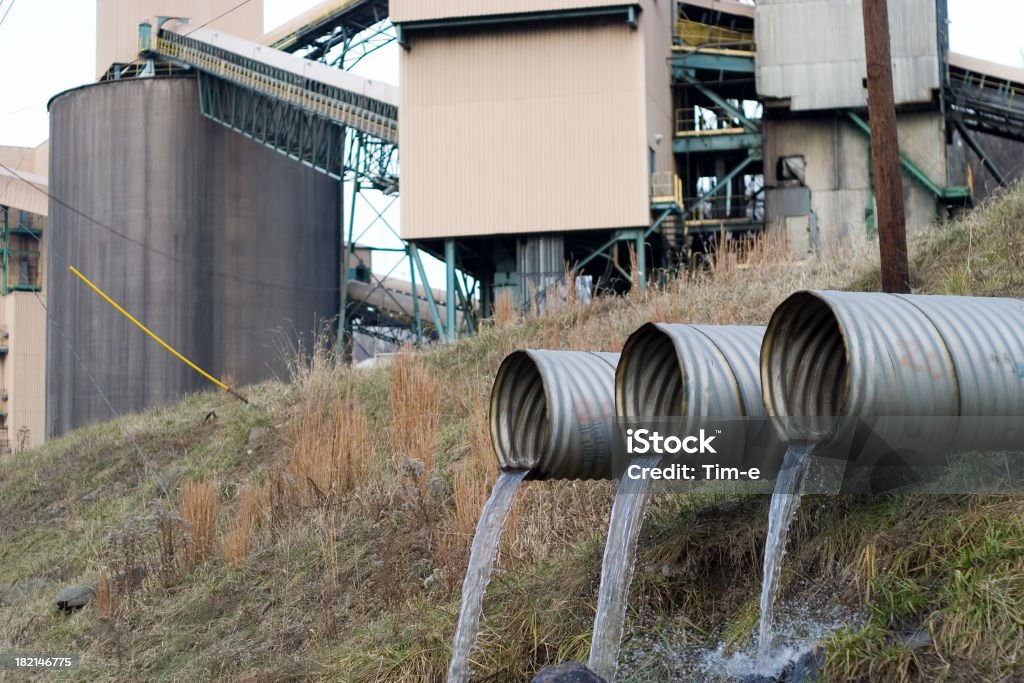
174	259
6	13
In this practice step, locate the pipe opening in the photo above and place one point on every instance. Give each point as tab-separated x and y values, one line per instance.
519	418
650	377
804	365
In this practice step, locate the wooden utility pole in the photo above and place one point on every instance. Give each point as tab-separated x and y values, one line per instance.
885	154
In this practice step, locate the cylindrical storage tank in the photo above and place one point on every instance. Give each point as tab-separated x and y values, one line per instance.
830	355
226	249
678	370
553	413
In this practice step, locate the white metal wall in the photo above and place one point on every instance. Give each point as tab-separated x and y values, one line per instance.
812	52
117	23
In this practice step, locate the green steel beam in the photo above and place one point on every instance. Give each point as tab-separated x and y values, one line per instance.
752	157
414	254
716	143
711	62
346	246
956	193
450	298
752	126
641	259
417	319
989	163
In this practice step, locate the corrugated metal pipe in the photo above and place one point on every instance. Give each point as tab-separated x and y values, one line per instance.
863	355
553	413
675	370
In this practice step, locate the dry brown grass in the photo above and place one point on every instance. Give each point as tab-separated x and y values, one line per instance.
250	511
198	510
475	475
505	311
416	398
331	448
106	595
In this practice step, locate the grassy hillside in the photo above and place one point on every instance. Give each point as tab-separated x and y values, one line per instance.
324	531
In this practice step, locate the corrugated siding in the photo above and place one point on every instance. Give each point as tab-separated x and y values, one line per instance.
117	23
812	52
26	366
524	131
837	168
656	26
419	10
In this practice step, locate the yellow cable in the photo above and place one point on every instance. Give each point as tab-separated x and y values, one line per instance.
155	338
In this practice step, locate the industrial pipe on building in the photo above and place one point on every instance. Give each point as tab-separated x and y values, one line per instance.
553	413
830	355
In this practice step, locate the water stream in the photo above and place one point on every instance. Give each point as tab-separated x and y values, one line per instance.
478	574
785	501
628	510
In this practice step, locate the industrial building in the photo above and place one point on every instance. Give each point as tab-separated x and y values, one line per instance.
199	180
23	212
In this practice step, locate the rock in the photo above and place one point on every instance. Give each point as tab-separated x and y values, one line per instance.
567	672
801	670
917	640
805	668
414	467
256	435
75	597
168	481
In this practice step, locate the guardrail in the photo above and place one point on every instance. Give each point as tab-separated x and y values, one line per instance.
666	188
706	121
706	35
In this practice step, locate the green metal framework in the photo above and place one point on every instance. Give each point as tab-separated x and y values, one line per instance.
10	255
947	195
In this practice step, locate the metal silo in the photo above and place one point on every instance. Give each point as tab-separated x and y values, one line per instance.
224	248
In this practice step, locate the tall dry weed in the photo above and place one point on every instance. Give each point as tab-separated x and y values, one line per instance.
199	514
107	602
250	512
475	475
416	397
331	449
505	311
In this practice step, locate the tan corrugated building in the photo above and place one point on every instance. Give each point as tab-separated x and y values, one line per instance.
23	209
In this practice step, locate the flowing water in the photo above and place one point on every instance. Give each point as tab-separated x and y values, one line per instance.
478	574
785	501
617	571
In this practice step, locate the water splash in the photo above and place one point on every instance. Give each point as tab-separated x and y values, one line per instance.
478	574
628	511
684	655
785	501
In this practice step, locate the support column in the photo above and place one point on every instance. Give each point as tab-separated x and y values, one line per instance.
641	259
416	317
451	294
